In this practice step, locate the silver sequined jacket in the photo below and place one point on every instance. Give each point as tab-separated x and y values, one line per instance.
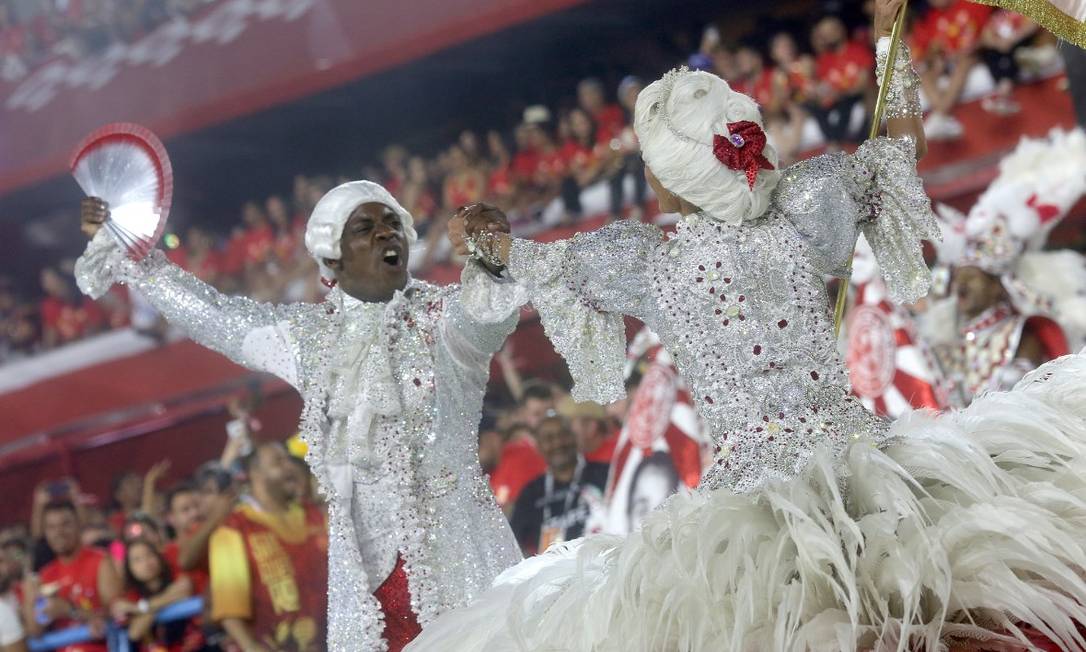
393	394
743	309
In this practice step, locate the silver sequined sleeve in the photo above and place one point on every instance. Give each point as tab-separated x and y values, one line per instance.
900	217
831	198
482	316
253	334
581	288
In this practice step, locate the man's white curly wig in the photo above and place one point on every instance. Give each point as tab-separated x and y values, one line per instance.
676	118
325	226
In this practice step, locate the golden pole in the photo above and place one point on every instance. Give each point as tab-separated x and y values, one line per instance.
876	126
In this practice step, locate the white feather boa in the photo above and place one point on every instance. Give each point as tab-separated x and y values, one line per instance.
968	524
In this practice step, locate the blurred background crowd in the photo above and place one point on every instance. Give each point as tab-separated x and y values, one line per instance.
115	560
572	158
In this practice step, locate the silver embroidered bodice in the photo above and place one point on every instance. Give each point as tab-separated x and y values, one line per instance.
743	309
393	394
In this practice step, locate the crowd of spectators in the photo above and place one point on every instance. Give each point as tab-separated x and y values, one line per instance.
34	31
575	158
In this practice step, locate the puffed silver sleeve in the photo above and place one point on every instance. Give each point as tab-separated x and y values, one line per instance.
831	198
581	288
482	315
253	334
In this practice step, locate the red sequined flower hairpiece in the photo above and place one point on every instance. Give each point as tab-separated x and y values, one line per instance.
742	149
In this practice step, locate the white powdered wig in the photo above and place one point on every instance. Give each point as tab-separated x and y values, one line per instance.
675	119
325	226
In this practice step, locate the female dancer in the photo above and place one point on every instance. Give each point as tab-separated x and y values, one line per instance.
818	526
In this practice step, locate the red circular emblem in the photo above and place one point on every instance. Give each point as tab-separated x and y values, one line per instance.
871	351
650	407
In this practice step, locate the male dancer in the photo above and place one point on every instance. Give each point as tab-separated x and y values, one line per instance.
393	372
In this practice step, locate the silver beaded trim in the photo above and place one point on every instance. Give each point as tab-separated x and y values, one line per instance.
903	96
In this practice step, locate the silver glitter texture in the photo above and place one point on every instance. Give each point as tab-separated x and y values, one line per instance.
400	425
743	309
903	96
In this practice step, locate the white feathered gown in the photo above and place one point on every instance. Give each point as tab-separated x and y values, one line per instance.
818	526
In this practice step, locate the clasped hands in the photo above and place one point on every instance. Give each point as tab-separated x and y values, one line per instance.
472	220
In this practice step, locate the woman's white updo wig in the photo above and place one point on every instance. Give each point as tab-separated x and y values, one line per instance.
325	226
676	118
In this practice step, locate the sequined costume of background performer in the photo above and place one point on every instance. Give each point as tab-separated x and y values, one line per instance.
1012	306
819	526
393	390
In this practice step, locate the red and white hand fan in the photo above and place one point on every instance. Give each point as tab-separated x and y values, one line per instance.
126	165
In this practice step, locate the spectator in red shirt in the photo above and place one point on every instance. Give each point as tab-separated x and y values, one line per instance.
585	161
1005	33
537	166
258	238
199	255
843	69
945	40
523	163
609	119
150	586
269	564
75	588
465	183
64	316
753	77
185	514
520	461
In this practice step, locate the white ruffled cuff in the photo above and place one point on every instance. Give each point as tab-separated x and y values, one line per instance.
592	341
488	299
105	262
101	265
897	214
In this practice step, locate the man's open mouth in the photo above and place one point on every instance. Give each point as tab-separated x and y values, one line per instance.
391	257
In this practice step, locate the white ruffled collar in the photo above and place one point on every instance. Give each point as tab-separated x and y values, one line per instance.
363	384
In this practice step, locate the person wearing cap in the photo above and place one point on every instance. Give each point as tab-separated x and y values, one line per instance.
537	166
393	372
596	439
